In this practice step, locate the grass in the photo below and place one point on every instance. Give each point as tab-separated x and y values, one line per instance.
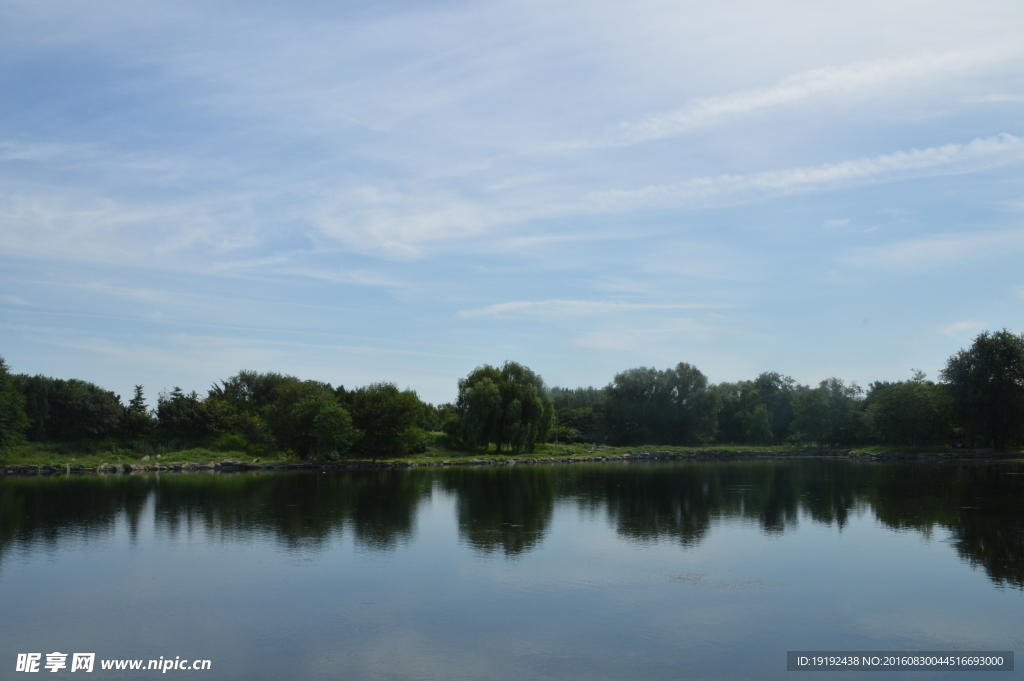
90	455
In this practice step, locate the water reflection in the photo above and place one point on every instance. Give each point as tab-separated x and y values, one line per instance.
508	510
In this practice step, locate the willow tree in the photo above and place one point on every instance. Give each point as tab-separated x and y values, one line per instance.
507	407
674	406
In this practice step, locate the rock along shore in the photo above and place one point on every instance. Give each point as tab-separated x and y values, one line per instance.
231	466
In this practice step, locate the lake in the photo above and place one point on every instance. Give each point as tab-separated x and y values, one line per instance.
662	570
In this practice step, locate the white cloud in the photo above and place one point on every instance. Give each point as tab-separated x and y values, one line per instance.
999	99
16	150
557	309
975	155
816	83
403	224
937	249
104	230
960	327
145	295
644	337
399	224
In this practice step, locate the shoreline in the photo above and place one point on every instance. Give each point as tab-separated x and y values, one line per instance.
230	465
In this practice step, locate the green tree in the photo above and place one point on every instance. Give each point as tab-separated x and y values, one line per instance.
675	406
250	392
756	412
507	406
730	411
136	420
828	415
387	419
776	393
71	409
184	415
757	426
914	412
987	385
580	424
307	418
13	420
479	408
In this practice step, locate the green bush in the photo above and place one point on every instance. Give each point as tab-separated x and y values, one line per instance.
231	442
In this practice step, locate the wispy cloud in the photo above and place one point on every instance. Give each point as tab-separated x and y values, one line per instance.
960	327
17	150
112	231
999	99
975	155
634	337
817	83
938	249
404	224
253	169
146	295
399	224
557	309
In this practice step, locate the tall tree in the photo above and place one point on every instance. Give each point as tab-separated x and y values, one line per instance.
987	384
71	409
184	414
250	392
307	418
827	415
776	393
675	406
386	419
914	412
136	420
507	407
13	421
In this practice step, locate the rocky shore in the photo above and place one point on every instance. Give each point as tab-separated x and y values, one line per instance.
232	466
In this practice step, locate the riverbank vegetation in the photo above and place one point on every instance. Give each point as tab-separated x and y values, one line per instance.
978	402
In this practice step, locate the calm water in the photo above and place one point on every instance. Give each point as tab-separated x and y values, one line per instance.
603	571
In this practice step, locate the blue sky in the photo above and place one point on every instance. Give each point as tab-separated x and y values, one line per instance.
403	191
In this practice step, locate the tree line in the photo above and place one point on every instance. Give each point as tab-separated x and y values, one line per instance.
978	402
250	411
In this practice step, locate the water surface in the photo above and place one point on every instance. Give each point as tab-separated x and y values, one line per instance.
585	571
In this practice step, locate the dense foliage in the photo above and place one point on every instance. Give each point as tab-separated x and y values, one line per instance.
987	385
13	420
674	406
507	407
61	409
978	403
251	411
387	420
307	418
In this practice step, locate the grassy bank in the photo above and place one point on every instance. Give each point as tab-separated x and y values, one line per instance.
63	455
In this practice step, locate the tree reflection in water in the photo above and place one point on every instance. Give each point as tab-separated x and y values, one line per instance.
508	510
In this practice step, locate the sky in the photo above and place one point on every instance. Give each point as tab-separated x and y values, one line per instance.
403	191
